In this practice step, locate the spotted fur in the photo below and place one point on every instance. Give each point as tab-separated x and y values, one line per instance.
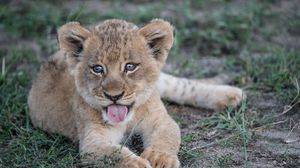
210	93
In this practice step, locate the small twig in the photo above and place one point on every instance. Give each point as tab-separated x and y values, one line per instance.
287	140
291	140
293	129
213	143
293	103
274	123
288	108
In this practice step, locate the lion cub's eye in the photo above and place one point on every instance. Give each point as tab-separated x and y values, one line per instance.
97	69
130	67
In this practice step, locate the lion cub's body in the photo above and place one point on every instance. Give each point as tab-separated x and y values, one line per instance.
69	97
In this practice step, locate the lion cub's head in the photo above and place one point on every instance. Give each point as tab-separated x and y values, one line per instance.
115	64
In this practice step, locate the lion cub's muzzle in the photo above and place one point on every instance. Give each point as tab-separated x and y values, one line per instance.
113	98
118	110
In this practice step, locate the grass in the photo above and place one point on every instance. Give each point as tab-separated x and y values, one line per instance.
234	121
225	161
284	63
20	143
39	18
242	34
189	157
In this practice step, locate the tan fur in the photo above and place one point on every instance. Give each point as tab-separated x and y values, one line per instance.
207	93
68	98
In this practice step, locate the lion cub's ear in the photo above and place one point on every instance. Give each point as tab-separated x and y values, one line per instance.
159	36
71	37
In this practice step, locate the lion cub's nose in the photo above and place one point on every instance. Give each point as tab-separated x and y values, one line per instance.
113	98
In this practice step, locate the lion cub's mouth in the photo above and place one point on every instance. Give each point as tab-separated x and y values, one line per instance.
117	113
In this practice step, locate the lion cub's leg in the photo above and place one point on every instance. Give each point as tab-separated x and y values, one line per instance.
201	93
161	137
99	141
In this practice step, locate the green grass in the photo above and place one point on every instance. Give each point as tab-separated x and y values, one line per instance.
39	18
241	33
189	157
276	71
21	145
236	122
225	160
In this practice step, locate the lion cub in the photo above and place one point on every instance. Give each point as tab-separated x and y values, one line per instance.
106	81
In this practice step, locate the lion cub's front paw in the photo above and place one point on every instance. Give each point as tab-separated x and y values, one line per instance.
135	162
160	159
228	96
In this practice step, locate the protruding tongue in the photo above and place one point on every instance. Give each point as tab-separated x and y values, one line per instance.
117	113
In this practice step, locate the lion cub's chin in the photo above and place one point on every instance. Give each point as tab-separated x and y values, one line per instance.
112	121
